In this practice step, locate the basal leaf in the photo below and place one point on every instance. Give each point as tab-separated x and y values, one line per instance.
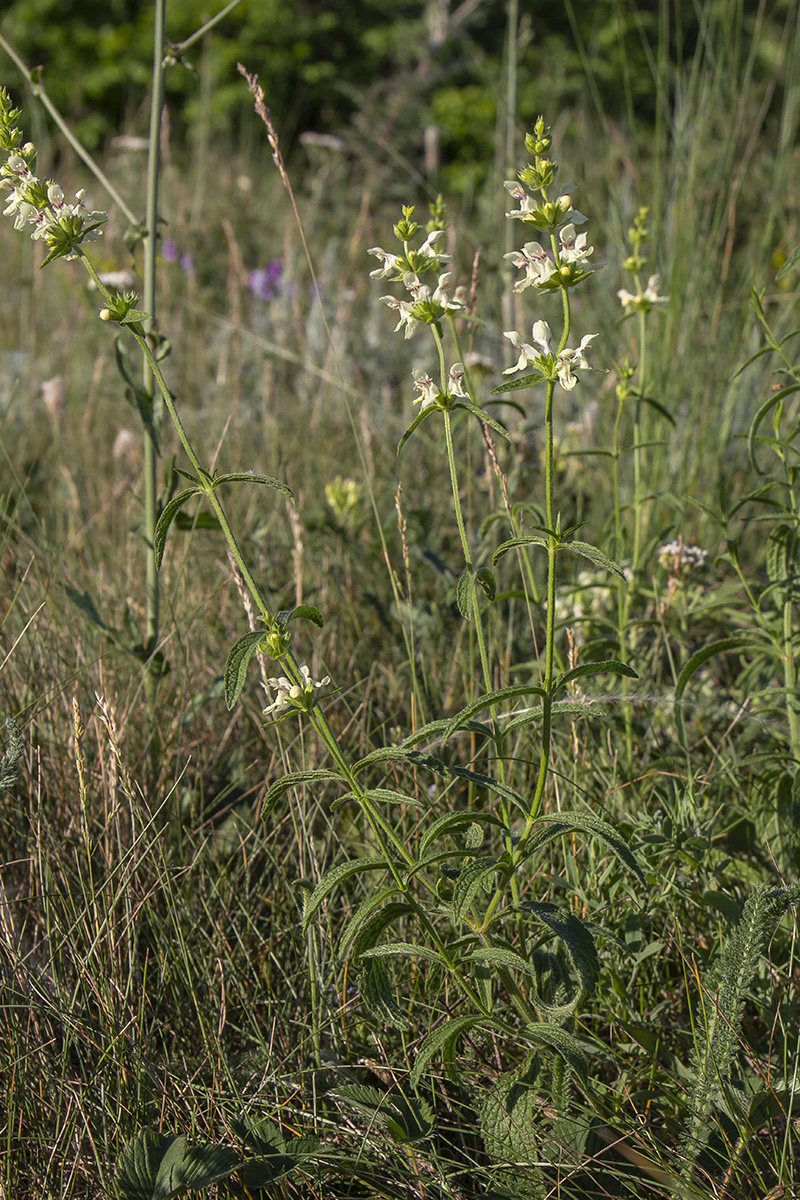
193	1168
137	1165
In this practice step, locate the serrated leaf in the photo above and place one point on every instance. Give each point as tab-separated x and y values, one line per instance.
137	1165
469	882
297	779
464	595
377	924
529	539
781	549
553	825
610	666
377	992
485	579
585	550
488	700
168	514
406	1119
516	385
582	710
509	1117
404	950
303	612
389	796
251	477
364	911
393	753
192	1168
451	821
331	879
440	1038
577	939
237	663
564	1044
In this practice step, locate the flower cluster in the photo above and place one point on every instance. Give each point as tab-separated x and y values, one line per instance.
682	560
426	305
642	301
430	394
555	365
294	697
39	204
559	267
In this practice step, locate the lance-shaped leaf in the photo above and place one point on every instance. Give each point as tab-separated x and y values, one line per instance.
168	515
237	663
502	957
482	416
515	385
405	950
302	612
297	779
418	419
577	939
584	710
453	820
737	642
488	700
405	1118
337	875
376	990
469	882
553	825
365	910
251	477
610	666
528	539
443	1038
585	550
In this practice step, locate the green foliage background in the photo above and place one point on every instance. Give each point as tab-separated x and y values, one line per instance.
327	68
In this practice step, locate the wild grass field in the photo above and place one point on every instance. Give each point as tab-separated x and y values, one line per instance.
506	906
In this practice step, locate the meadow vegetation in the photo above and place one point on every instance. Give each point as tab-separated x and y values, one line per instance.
498	898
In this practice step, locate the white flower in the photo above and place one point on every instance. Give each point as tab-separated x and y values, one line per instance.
535	261
518	193
545	360
429	392
682	560
297	697
389	261
573	248
455	381
645	300
406	311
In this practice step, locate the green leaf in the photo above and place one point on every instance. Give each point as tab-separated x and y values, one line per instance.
594	555
464	595
529	539
791	262
404	950
297	779
468	884
451	821
553	825
501	696
483	416
377	924
303	612
418	419
137	1165
390	753
564	1044
659	408
364	911
331	879
170	511
389	796
516	385
582	710
405	1118
376	991
252	477
193	1168
610	666
237	663
781	551
695	662
577	939
443	1038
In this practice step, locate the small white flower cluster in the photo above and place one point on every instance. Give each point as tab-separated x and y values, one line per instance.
539	264
430	393
426	306
643	301
39	205
294	697
682	560
423	258
544	360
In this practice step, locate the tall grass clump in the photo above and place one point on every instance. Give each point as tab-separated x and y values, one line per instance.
473	870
